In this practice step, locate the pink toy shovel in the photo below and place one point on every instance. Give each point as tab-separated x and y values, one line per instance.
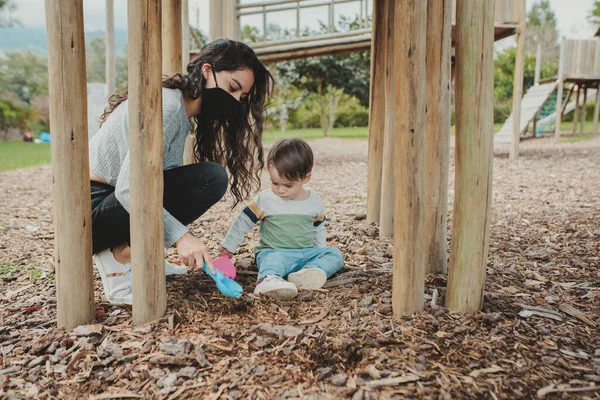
225	265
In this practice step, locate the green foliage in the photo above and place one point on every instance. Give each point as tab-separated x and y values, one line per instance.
594	14
13	115
542	29
6	7
25	74
96	64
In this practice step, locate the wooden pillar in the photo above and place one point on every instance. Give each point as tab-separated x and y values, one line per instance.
583	110
386	218
171	37
538	64
185	34
518	83
410	28
439	46
111	65
597	110
558	118
377	104
474	154
230	20
216	20
70	164
146	159
576	111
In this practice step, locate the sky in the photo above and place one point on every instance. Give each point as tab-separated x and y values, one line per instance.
571	15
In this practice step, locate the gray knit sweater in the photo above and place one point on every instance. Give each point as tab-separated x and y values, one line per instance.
109	152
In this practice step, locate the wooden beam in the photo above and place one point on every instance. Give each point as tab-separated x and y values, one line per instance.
230	20
409	38
376	112
518	84
576	111
474	154
70	164
171	37
111	65
583	110
386	217
439	30
185	35
216	20
146	160
538	64
597	110
561	66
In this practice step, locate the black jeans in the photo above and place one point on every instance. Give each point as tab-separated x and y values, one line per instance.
189	191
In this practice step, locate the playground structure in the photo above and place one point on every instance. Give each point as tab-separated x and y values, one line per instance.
408	149
579	71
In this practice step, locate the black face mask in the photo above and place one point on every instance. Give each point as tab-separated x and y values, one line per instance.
217	103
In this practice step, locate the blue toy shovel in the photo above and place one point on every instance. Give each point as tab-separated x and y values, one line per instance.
227	286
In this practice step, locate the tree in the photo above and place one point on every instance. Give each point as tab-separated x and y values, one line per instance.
6	7
25	74
542	29
96	64
594	15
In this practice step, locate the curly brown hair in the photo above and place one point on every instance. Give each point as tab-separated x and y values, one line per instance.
234	143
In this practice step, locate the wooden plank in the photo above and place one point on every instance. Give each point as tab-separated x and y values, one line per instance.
559	94
518	85
70	164
474	154
583	109
386	218
439	32
596	110
216	20
410	27
538	64
185	34
110	63
230	20
576	112
377	108
146	160
171	37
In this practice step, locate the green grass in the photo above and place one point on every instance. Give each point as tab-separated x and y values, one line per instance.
359	133
16	155
33	272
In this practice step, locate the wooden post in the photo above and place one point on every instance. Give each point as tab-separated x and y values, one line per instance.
216	20
538	64
171	37
597	109
70	164
576	111
185	35
410	28
474	154
583	110
439	32
559	94
518	83
111	65
230	19
386	218
377	104
146	159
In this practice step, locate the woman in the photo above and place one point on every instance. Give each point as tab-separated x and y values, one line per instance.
225	91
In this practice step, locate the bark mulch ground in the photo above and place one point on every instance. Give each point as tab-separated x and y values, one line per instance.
537	335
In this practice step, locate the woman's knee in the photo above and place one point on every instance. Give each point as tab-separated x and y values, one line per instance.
218	178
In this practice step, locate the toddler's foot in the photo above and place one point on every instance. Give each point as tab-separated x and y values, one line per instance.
276	287
308	278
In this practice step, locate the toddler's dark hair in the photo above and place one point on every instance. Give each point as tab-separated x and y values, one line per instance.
292	158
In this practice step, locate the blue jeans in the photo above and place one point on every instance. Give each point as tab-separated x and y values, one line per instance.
282	262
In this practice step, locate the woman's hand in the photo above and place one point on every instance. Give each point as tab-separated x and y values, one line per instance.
224	252
194	253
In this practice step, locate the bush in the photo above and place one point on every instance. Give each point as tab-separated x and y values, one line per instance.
589	114
352	118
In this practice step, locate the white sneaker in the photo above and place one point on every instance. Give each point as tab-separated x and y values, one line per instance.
308	278
173	269
276	287
116	278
